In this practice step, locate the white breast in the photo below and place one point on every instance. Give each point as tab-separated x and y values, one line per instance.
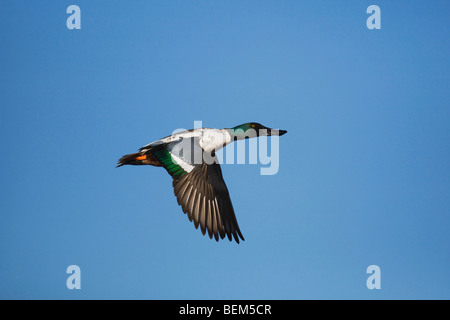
214	139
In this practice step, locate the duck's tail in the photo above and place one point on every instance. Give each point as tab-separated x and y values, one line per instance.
139	158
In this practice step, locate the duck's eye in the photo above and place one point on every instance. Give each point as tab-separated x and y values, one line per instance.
253	125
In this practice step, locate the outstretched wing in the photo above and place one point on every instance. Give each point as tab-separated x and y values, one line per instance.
202	194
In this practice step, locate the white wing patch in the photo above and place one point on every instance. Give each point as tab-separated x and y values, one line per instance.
186	166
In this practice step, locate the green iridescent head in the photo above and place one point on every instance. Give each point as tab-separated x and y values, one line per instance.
253	129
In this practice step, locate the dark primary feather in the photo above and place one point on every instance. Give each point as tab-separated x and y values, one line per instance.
204	197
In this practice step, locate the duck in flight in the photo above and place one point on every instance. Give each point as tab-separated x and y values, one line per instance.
189	157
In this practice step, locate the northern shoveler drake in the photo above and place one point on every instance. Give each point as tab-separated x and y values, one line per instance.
189	157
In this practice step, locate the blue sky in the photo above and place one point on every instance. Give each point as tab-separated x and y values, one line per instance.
364	169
